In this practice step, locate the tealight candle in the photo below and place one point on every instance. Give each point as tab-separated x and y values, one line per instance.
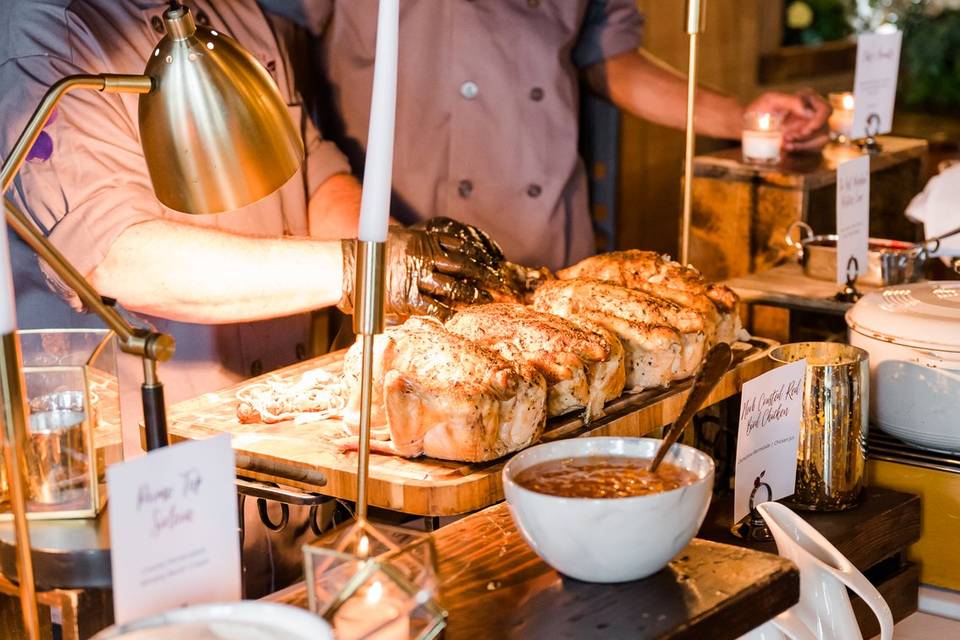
372	616
841	120
762	138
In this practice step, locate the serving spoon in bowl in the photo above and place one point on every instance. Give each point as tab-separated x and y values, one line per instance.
715	365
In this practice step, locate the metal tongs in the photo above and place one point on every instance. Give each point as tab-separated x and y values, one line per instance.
717	363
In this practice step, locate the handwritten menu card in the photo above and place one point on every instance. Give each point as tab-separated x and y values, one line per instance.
875	83
173	529
853	217
769	435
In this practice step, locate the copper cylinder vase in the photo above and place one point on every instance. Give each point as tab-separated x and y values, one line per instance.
831	457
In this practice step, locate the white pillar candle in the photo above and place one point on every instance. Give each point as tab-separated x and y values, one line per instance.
8	310
378	170
761	138
372	616
841	119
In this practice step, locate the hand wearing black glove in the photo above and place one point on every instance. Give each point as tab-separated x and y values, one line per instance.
467	239
423	275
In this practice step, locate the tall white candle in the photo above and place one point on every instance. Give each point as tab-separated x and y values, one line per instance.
8	312
378	170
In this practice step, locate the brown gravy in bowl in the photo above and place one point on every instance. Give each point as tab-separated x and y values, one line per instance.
602	477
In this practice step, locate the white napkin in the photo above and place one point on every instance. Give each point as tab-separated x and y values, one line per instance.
938	208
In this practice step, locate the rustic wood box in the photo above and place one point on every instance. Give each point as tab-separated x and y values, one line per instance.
741	212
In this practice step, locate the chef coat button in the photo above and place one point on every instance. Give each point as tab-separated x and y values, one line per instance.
536	94
533	4
534	190
469	90
256	368
301	351
202	18
465	188
157	24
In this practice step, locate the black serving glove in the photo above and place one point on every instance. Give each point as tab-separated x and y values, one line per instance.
467	239
427	273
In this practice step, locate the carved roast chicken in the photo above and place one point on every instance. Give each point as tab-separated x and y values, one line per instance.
583	368
663	341
655	273
439	395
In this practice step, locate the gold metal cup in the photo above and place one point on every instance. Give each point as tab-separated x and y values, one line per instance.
831	458
57	458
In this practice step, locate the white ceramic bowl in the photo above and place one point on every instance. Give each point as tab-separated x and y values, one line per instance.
609	539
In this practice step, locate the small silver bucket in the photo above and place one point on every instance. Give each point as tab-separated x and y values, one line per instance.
831	459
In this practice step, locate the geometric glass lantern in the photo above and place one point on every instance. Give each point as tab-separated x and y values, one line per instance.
375	583
73	422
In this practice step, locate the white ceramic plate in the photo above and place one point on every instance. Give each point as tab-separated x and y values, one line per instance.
246	620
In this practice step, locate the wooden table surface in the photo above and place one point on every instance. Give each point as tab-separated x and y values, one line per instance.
494	586
425	486
805	170
786	286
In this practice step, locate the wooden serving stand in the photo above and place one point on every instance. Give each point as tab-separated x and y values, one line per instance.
493	585
425	486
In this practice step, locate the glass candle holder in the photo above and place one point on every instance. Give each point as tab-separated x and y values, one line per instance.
73	422
841	119
762	138
375	583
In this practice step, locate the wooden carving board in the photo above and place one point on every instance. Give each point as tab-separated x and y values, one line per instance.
426	486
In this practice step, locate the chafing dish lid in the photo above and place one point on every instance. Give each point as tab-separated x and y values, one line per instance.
924	315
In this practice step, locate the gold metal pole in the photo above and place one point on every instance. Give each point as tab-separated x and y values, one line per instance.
695	19
14	458
368	320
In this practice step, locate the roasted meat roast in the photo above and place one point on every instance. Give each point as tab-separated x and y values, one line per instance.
584	369
438	394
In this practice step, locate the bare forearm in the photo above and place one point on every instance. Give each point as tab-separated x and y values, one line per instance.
646	87
334	208
196	274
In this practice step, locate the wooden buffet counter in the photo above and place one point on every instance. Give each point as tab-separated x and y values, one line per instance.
426	486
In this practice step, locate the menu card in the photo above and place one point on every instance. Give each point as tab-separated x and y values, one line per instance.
853	217
173	529
875	83
771	410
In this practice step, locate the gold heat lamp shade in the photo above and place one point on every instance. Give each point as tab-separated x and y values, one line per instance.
215	131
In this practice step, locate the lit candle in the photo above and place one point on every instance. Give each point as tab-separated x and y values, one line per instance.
8	314
372	616
841	120
378	170
762	138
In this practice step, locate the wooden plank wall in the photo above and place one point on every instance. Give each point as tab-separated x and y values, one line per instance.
738	32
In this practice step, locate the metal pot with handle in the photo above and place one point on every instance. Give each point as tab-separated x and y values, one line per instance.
889	262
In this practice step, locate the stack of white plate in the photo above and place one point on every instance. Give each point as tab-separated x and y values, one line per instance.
912	333
247	620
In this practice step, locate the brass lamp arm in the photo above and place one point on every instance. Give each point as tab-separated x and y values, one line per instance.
108	82
150	346
139	342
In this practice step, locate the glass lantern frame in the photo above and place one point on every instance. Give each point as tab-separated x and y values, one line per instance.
97	455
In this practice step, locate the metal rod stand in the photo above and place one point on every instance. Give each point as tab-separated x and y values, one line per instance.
14	458
694	25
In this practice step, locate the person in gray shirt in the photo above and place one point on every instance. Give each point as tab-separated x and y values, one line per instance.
488	107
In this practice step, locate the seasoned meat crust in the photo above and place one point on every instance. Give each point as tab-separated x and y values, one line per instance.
642	310
583	368
439	395
655	273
